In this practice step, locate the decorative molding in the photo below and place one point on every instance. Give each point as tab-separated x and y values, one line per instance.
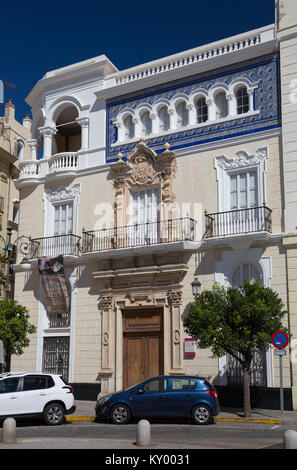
62	193
259	75
241	160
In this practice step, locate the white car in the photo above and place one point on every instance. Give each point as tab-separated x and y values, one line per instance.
34	394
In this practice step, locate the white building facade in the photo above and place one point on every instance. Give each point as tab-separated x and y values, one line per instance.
145	179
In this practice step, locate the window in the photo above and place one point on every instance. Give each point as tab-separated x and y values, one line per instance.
63	221
182	115
20	150
2	204
9	385
144	225
201	110
129	127
243	190
242	100
183	384
164	119
146	123
221	105
15	212
34	383
245	272
159	385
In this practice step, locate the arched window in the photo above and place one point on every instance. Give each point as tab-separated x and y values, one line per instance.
146	123
245	272
182	115
242	100
201	110
221	105
164	119
129	127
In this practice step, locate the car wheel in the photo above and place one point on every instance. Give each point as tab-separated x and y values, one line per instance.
120	414
202	414
54	414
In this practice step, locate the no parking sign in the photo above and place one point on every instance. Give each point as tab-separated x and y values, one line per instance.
280	340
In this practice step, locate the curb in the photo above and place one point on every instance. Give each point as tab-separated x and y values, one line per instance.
250	420
234	420
80	418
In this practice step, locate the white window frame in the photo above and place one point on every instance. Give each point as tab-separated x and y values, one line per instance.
61	196
240	163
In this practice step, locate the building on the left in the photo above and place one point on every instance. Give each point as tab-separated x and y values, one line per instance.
13	149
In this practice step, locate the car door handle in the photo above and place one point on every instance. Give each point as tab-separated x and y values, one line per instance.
162	396
13	397
189	395
42	394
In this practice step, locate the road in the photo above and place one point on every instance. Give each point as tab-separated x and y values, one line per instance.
163	436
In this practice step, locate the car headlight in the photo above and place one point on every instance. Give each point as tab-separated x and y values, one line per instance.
104	399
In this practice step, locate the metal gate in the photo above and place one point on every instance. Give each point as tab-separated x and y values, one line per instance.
258	370
56	355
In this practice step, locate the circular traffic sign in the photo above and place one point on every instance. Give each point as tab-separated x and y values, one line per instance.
280	339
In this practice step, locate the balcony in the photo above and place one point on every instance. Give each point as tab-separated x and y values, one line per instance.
139	235
242	221
57	245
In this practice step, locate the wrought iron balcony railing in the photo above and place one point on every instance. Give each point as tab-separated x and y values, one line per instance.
151	233
67	244
253	219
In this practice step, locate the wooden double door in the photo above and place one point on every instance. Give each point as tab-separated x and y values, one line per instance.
143	349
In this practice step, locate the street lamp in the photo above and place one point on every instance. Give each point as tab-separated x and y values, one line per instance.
21	245
196	287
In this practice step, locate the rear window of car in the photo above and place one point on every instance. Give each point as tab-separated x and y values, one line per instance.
179	385
33	382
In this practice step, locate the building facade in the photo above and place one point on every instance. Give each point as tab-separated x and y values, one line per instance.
144	180
13	149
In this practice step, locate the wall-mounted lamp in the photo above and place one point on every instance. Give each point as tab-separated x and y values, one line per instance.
196	287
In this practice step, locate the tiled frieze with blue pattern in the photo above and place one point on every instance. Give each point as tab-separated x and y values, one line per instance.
264	71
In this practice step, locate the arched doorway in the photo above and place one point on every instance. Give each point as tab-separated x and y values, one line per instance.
68	136
247	272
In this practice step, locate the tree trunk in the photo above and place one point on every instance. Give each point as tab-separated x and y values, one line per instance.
246	393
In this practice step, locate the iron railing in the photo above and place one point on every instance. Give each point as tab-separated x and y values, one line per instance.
151	233
253	219
67	244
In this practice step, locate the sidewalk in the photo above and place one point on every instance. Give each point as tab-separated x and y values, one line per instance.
85	411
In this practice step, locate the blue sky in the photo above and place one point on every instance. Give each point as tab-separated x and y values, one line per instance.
38	36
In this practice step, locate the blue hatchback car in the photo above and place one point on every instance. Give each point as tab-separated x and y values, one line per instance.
164	396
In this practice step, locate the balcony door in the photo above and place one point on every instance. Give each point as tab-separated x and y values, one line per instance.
242	216
143	227
62	241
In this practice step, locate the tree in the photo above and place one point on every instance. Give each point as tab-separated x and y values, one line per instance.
14	328
236	320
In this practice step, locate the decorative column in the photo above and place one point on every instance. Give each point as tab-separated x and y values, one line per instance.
84	124
47	133
155	123
192	114
107	328
251	99
33	147
211	109
175	299
232	111
172	118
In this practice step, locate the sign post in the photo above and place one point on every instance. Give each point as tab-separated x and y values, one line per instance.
280	340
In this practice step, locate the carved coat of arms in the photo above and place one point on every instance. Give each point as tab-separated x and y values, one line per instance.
142	171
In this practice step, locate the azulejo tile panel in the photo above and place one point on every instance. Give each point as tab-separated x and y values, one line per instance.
264	71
